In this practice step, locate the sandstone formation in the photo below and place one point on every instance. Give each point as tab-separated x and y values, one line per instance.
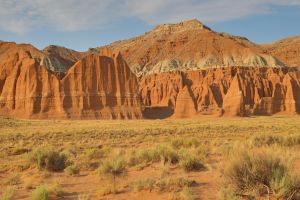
231	91
190	45
98	87
184	70
185	104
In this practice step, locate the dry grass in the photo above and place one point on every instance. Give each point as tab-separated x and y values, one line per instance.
191	148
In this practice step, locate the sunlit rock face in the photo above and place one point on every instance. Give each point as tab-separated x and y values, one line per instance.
98	86
190	45
230	91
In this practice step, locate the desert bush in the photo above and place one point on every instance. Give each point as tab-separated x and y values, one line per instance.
109	189
143	156
203	151
260	173
167	154
191	163
49	159
174	184
162	153
115	168
185	194
186	142
56	189
228	194
14	180
144	184
40	193
96	153
8	193
72	170
267	140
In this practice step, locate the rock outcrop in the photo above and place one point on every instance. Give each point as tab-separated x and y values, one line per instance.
231	91
185	104
96	87
234	103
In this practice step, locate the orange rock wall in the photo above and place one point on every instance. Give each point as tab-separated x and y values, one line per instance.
230	91
96	87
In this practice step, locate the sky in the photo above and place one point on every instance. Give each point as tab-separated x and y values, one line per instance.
81	24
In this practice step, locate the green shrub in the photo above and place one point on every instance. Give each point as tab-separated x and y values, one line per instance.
8	194
96	153
227	194
189	142
144	184
115	168
72	170
56	189
267	140
162	153
260	173
167	154
191	163
49	159
174	184
40	193
143	156
110	189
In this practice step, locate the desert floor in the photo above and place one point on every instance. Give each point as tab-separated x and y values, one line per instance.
157	159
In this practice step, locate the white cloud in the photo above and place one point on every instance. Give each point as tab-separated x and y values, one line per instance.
20	16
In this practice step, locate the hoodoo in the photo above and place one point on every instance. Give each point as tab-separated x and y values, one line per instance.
185	104
234	103
99	86
231	91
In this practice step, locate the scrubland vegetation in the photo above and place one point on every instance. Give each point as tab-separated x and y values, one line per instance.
206	158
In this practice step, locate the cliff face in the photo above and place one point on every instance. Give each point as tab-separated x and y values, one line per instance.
232	91
98	87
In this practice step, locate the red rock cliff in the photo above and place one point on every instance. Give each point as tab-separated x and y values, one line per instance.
98	86
232	91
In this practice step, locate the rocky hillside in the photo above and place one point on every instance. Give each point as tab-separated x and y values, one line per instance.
190	45
287	50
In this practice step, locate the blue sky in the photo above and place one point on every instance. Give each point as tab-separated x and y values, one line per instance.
80	24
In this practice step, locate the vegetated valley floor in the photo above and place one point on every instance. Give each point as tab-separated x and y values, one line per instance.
151	151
